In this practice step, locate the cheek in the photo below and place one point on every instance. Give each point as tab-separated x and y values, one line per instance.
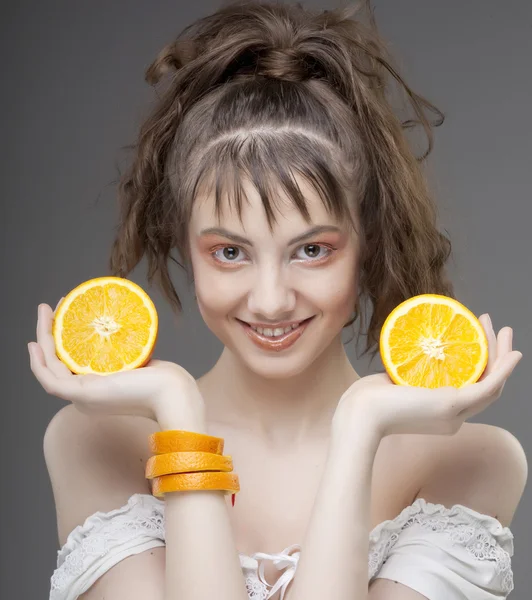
211	289
215	294
337	289
337	298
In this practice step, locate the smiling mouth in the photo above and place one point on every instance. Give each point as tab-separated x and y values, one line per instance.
271	329
277	342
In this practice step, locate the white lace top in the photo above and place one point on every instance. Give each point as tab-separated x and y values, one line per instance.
443	553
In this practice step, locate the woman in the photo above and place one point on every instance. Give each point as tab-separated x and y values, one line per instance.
274	163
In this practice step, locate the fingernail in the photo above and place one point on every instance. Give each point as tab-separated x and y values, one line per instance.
517	361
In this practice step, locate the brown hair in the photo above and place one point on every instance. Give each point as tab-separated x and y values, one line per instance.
262	90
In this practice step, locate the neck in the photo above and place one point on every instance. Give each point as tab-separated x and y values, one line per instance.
278	411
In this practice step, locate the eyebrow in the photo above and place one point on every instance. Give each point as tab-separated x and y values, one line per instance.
242	240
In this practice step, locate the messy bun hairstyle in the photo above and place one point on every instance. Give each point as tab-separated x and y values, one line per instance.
265	90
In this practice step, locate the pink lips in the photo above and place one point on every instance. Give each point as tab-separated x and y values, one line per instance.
278	343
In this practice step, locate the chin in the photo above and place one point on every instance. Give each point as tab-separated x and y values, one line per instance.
275	368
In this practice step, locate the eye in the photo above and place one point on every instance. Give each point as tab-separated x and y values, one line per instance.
311	253
231	253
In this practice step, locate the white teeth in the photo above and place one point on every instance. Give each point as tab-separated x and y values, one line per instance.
275	332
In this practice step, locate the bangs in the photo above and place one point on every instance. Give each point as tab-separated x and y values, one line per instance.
270	161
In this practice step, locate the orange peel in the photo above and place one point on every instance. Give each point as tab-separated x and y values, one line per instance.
186	462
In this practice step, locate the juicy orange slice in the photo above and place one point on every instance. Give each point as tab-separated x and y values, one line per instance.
105	325
433	341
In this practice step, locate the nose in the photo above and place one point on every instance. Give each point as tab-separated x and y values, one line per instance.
272	297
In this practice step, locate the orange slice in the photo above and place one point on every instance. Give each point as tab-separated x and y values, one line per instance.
177	440
433	341
186	462
228	482
105	325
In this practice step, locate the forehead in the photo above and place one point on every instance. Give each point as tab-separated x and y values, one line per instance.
252	216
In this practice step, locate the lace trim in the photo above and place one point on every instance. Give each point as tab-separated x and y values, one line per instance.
143	516
483	536
140	520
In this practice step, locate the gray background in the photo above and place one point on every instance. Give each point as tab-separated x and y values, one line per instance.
73	94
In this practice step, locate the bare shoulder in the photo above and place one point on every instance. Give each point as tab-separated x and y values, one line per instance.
94	464
482	466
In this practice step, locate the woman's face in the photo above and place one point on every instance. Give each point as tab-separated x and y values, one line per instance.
256	277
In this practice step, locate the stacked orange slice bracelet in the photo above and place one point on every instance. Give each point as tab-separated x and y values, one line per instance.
189	461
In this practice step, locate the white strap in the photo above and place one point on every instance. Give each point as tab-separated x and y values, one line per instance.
282	560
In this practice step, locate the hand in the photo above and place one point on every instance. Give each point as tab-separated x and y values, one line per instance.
389	408
146	391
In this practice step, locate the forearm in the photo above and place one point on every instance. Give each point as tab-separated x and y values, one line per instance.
333	563
201	557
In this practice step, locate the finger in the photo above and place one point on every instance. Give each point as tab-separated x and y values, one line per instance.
504	344
50	383
504	341
47	344
492	345
474	398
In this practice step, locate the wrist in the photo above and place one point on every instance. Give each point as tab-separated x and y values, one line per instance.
354	433
181	411
177	420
